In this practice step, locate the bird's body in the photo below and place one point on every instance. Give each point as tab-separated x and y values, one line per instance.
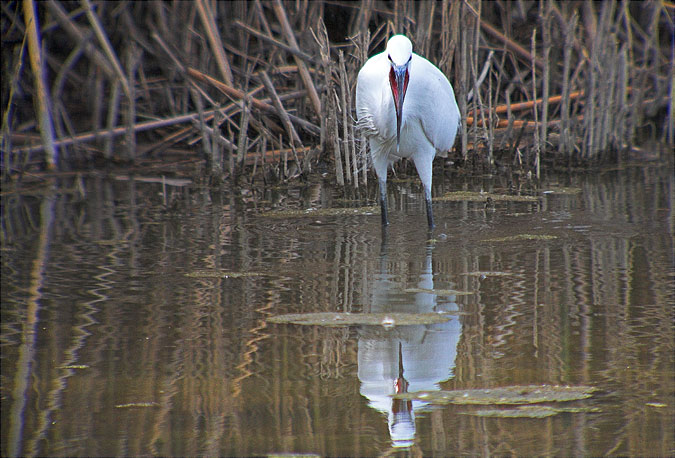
406	107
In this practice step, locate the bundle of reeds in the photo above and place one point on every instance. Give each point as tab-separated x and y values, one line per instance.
268	86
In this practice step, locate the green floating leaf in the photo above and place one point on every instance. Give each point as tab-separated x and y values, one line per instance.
577	409
293	455
513	238
509	395
658	405
75	366
136	404
319	212
386	320
520	412
487	274
529	412
221	274
460	196
563	190
439	292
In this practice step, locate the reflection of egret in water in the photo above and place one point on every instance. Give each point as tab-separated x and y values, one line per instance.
405	358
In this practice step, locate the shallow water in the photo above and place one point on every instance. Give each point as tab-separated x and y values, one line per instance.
125	330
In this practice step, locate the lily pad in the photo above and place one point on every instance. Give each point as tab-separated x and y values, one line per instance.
75	366
292	455
439	292
136	404
509	395
514	238
483	273
563	190
470	196
658	405
319	212
386	320
221	274
520	412
529	412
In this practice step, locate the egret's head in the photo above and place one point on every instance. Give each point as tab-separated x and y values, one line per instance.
399	53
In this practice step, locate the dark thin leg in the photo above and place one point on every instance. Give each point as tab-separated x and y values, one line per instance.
430	215
383	203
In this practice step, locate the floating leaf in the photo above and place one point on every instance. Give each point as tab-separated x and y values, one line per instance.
136	404
460	196
487	274
221	274
526	412
510	395
439	292
360	319
292	455
577	409
656	404
529	412
513	238
319	212
563	190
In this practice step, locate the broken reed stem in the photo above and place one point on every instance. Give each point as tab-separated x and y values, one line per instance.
478	102
281	111
6	138
209	23
79	36
43	101
134	55
105	44
330	131
348	126
206	138
113	109
491	135
292	134
565	144
527	106
268	39
349	159
242	143
537	145
545	14
217	145
278	7
259	104
463	79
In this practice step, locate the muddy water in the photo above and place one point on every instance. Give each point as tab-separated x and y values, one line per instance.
135	318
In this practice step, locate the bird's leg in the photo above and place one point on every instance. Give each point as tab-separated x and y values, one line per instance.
383	202
423	164
430	214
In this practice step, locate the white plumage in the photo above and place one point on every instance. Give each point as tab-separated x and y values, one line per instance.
406	107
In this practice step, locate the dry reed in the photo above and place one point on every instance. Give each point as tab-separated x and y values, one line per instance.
239	75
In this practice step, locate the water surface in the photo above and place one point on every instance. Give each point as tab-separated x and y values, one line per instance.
135	317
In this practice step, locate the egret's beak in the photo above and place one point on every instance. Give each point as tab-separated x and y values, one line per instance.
398	79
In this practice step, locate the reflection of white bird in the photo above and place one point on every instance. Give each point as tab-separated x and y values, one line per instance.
406	107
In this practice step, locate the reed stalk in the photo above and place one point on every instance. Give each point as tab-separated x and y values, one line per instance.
597	74
43	100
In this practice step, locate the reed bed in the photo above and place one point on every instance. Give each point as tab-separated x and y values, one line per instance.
266	89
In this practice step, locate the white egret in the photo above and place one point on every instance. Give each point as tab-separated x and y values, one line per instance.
406	108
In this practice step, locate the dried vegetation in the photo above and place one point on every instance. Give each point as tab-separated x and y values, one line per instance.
265	89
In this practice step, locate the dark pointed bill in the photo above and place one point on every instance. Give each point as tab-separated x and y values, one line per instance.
398	80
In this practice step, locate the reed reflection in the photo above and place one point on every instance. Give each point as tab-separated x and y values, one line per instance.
405	358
